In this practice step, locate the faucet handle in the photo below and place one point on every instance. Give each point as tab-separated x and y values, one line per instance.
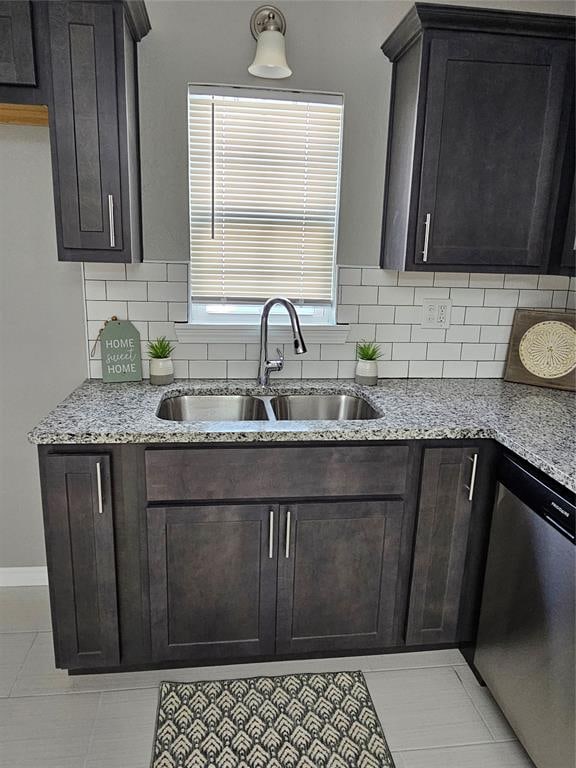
280	358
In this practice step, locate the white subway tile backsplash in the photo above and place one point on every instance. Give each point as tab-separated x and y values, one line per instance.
156	329
393	332
486	281
167	291
124	290
381	305
178	273
227	351
103	310
498	334
571	301
376	276
425	369
319	369
494	370
359	294
178	311
349	276
482	316
190	351
95	290
459	369
470	333
147	310
362	332
95	369
520	281
452	279
535	299
104	271
347	313
416	278
338	352
427	334
376	314
146	271
500	297
443	351
207	369
393	369
409	351
467	297
410	315
478	351
396	296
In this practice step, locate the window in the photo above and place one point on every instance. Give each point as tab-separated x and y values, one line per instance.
264	177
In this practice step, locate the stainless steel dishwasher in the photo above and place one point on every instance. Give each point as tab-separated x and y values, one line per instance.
525	648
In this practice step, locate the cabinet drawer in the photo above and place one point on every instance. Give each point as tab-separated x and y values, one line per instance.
277	472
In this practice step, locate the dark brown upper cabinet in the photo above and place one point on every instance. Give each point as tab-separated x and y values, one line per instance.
94	129
17	66
479	126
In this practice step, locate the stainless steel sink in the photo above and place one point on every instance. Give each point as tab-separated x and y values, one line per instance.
212	408
321	407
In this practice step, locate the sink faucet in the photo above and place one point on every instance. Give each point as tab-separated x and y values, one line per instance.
266	365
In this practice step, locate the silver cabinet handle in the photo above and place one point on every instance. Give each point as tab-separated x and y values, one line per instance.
111	221
99	488
271	534
426	237
288	521
474	460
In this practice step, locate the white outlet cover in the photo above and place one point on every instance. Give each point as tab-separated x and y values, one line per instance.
436	313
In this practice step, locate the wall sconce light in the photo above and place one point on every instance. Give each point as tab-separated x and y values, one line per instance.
268	26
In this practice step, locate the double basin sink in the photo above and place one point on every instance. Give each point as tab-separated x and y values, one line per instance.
331	407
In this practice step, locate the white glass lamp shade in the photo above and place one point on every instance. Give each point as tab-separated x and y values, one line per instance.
270	60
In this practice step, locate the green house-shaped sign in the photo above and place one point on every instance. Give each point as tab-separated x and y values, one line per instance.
121	356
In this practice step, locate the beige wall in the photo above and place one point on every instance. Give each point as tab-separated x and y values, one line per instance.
42	348
331	46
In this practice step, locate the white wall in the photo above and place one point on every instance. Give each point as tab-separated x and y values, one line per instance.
331	46
42	337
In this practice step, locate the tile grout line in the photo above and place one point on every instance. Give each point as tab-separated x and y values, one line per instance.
91	737
21	667
478	710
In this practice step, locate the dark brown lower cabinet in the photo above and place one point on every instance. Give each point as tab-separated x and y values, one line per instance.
338	576
212	580
447	488
79	529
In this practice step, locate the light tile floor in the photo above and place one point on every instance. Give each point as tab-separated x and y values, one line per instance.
434	713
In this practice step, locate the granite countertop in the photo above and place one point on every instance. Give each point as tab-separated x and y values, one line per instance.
537	424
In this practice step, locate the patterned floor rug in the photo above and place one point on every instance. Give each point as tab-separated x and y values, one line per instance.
295	721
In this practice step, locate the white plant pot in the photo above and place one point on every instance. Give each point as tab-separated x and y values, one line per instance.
366	372
161	370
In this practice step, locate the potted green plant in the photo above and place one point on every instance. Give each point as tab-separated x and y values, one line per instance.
161	365
367	353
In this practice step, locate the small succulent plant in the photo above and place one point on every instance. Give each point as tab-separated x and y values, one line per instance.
160	348
368	350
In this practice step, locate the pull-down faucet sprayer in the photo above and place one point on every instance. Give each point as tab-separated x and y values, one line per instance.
266	365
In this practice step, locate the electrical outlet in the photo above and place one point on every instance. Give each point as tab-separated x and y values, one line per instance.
436	313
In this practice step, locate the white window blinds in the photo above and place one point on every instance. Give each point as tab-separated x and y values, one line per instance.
264	175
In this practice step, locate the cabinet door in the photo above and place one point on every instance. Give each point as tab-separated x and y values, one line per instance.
81	562
496	119
444	515
85	126
212	580
16	44
338	576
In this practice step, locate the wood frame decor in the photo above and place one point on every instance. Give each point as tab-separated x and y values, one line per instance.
541	342
24	114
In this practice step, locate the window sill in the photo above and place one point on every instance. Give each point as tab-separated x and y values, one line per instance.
250	334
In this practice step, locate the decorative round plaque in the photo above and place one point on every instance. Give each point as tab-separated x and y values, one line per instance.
548	349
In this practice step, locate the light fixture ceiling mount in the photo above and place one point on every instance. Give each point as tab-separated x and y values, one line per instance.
267	17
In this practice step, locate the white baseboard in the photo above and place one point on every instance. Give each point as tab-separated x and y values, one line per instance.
24	577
